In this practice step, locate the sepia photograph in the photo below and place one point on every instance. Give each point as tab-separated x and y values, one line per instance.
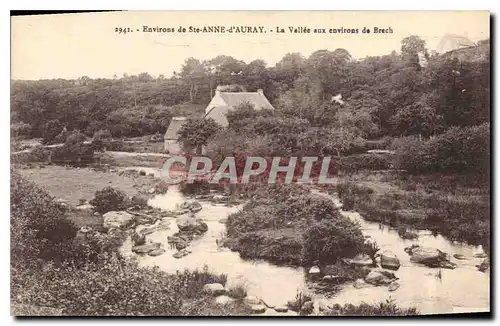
250	163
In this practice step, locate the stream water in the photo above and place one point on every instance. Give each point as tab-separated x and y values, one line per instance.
463	289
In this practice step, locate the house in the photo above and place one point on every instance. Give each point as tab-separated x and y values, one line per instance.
451	42
223	102
171	137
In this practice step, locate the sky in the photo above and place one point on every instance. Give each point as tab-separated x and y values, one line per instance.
86	44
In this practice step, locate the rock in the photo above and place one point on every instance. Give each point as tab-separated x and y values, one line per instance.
96	214
281	309
360	260
394	286
191	225
293	305
145	248
191	205
331	270
214	289
484	265
87	208
251	300
314	271
156	252
151	191
379	277
389	260
307	308
117	219
480	255
181	244
148	229
332	279
459	256
220	198
429	256
138	239
223	300
360	284
258	309
180	254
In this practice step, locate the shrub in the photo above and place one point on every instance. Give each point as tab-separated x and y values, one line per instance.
355	163
109	199
387	308
74	151
119	288
139	200
38	228
237	291
102	134
458	150
38	154
331	239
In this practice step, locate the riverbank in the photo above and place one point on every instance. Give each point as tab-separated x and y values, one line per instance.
455	206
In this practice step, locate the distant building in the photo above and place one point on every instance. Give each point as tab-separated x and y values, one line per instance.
171	137
223	102
451	42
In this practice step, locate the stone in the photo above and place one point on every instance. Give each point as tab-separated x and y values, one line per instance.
429	256
86	208
181	253
151	191
145	248
117	219
181	244
293	305
191	205
459	256
485	265
394	286
191	225
251	300
281	309
389	260
214	289
314	271
220	198
159	225
380	277
258	309
307	308
360	284
332	279
223	300
480	255
360	260
96	214
138	239
156	252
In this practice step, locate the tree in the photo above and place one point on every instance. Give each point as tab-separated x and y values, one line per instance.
417	119
411	46
197	132
193	71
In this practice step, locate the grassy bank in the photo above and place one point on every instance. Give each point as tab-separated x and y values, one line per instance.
456	206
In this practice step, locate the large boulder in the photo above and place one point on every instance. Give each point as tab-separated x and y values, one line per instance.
223	300
85	208
380	277
485	265
181	253
429	256
156	252
394	286
314	271
360	260
191	205
258	309
117	219
146	248
148	229
190	225
389	260
214	289
252	300
138	239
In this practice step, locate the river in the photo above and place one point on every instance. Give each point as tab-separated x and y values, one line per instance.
464	289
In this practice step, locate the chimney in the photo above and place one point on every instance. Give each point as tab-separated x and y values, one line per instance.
260	91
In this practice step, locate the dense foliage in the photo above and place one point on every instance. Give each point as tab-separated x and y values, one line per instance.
109	199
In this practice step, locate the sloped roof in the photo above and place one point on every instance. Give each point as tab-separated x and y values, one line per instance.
218	113
175	125
258	100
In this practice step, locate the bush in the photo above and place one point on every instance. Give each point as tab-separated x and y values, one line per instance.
38	227
102	134
355	163
118	288
387	308
330	239
458	150
109	199
74	151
